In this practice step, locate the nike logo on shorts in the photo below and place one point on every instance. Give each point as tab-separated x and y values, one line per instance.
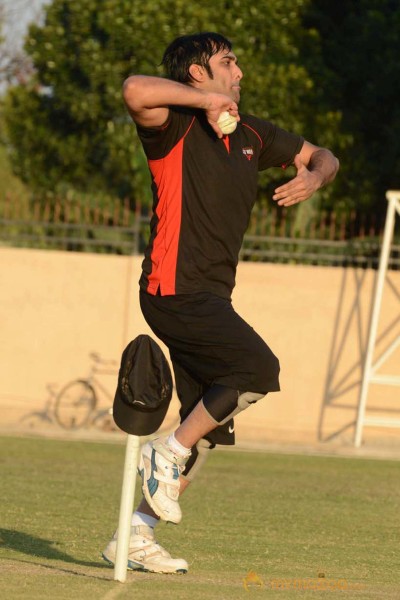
231	428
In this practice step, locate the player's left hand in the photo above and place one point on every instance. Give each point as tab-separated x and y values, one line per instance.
300	188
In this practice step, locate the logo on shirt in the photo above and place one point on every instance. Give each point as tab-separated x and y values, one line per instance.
248	152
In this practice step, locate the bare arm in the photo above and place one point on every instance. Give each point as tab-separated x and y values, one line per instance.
148	100
315	168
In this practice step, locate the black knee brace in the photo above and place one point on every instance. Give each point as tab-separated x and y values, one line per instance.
223	403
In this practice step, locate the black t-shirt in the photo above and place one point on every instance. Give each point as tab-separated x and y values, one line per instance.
204	190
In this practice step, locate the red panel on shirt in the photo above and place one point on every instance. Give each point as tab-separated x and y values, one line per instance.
167	174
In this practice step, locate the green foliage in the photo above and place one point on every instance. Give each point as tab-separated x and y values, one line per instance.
70	126
8	180
360	48
327	70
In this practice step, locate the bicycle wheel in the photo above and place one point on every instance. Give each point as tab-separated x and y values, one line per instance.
74	404
104	420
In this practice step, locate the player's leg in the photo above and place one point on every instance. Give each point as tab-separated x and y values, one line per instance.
163	460
144	552
160	491
207	337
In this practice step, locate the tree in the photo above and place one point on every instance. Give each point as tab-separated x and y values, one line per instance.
360	49
69	125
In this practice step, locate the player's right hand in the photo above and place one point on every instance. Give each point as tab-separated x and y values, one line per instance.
216	104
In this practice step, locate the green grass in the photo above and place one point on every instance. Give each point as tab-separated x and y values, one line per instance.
286	518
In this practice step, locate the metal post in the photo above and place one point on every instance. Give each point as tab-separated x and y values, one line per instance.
126	506
392	198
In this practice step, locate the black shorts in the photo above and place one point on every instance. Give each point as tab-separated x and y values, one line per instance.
210	343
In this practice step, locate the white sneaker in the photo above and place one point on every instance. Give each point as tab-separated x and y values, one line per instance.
145	554
160	468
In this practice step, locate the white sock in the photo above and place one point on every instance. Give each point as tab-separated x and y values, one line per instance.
139	518
177	446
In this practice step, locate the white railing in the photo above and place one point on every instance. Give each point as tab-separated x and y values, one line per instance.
370	374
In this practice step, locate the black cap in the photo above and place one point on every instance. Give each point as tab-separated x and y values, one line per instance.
144	387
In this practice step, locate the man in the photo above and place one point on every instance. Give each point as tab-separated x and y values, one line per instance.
204	186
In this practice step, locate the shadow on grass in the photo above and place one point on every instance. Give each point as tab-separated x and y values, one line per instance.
34	546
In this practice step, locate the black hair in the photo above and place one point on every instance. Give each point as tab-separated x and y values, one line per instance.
192	49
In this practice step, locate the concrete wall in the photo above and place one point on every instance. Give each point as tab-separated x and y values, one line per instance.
57	307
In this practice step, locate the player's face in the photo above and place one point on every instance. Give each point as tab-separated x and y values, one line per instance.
226	75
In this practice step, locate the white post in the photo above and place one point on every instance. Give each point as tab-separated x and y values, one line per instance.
383	262
126	506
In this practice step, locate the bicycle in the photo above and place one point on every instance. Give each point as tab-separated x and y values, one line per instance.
45	417
76	404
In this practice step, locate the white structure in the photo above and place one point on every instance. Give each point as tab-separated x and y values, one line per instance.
126	507
370	371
